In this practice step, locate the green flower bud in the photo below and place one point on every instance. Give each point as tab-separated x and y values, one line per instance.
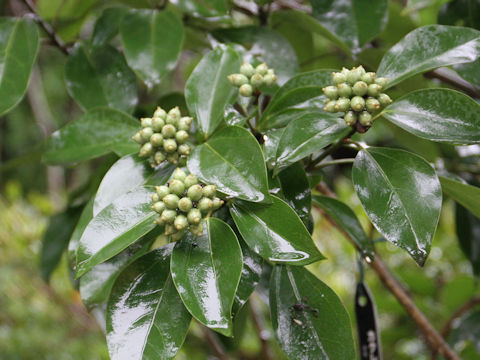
331	92
365	118
169	131
350	118
190	180
146	122
168	216
173	158
156	139
384	99
374	90
217	203
174	114
138	138
368	78
345	71
256	80
195	192
159	221
185	204
342	104
171	201
155	198
261	69
179	174
160	113
169	145
209	191
361	70
159	206
330	106
247	69
344	90
178	235
338	78
181	136
372	105
184	123
237	79
146	133
270	72
146	150
196	230
157	124
177	187
246	90
151	161
205	204
184	149
171	120
181	222
381	81
194	216
270	79
354	75
162	191
360	88
159	157
357	103
170	230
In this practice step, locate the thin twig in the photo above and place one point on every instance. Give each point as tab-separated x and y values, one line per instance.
329	151
216	346
262	332
451	77
334	162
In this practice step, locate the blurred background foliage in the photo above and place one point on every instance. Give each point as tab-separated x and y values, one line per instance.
40	320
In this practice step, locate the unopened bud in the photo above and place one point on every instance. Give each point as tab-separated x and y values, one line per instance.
357	103
181	136
146	150
184	149
169	131
185	204
384	99
157	124
261	69
194	216
246	90
169	145
156	139
247	69
360	88
365	118
256	80
160	113
350	118
331	92
146	122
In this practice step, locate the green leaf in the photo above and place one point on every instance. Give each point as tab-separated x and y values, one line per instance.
467	330
466	195
93	134
470	72
270	145
427	48
440	115
55	240
307	134
107	25
466	12
351	22
346	219
321	329
116	227
85	217
238	170
152	40
206	271
275	232
145	316
101	77
401	195
18	50
208	91
468	233
204	8
125	175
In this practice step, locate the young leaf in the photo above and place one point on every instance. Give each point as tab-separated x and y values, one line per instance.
236	170
401	195
307	134
427	48
101	77
468	233
94	134
466	195
145	316
309	320
346	219
152	40
352	22
275	232
18	46
116	227
208	90
441	115
107	25
206	271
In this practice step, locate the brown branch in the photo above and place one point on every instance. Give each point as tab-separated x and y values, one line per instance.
262	332
451	77
212	340
434	340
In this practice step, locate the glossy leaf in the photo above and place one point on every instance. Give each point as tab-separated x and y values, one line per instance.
401	195
206	271
427	48
93	134
125	175
107	25
204	8
346	219
85	217
275	232
354	23
208	91
116	227
438	115
145	316
270	145
320	328
468	233
152	40
466	195
18	50
308	134
470	72
101	77
238	170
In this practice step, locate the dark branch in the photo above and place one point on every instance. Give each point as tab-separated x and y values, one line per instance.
451	77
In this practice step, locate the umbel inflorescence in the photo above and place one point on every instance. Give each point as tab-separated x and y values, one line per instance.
358	94
182	204
251	78
164	137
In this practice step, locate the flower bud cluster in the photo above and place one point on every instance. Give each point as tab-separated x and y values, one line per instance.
164	137
182	203
358	94
251	78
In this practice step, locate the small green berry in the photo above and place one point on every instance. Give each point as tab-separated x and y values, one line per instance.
357	103
350	118
345	71
168	216
146	150
169	131
344	90
360	88
361	70
195	192
159	221
331	92
170	230
162	191
256	80
169	145
237	79
171	120
354	75
365	118
157	124
372	105
181	136
246	90
146	133
217	203
381	81
171	201
190	180
173	158
185	204
184	149
181	222
209	191
205	204
338	78
155	198
197	230
174	113
184	124
261	69
146	122
342	104
194	216
247	69
156	139
368	78
160	113
179	174
374	90
384	99
330	106
159	206
159	157
138	138
270	79
177	187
